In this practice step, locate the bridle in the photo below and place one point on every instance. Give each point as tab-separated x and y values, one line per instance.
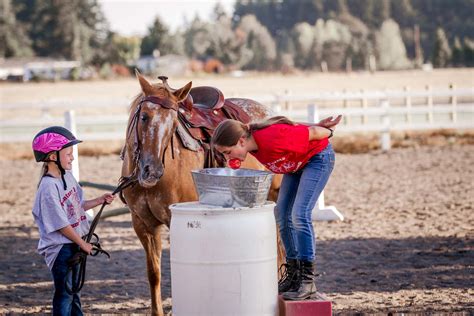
133	128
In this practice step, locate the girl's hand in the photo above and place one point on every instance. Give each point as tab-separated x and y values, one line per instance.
86	247
107	198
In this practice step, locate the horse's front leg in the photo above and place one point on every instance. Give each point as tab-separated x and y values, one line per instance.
151	241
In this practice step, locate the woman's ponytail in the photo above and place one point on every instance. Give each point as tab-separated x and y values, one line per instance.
229	132
272	120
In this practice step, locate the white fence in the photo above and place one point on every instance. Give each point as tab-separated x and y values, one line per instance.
375	111
381	112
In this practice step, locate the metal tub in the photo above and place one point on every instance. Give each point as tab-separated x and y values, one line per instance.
227	187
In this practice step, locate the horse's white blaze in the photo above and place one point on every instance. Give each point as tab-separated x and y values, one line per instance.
163	127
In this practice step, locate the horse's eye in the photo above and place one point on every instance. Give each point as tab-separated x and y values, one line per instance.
144	117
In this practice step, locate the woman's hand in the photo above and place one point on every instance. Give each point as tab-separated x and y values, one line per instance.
329	122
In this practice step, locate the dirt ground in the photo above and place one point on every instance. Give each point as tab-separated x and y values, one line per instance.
406	244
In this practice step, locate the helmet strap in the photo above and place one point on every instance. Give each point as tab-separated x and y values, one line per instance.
61	169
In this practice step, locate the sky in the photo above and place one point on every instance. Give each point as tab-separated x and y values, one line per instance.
129	17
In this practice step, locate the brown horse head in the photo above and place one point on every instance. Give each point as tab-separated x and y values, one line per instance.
152	126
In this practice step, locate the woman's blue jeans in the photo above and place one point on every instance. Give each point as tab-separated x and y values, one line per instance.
63	302
298	194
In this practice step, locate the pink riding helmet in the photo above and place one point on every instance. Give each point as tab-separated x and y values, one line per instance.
52	139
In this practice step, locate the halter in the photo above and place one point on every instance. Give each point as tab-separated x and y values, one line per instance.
164	103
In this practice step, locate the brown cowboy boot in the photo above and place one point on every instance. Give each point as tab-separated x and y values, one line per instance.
289	281
307	286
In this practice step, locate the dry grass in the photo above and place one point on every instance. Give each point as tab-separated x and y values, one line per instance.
347	144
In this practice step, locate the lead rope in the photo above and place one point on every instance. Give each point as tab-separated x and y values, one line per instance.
77	264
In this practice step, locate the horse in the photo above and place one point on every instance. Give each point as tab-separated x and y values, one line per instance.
151	145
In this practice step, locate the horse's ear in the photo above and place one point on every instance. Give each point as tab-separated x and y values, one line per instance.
182	93
147	88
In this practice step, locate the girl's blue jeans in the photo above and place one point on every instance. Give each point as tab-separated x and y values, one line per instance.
63	302
298	194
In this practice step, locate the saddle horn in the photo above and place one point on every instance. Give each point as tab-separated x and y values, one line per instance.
165	82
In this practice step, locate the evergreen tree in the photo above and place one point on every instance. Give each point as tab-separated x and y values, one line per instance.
157	38
441	51
13	39
358	45
227	46
468	55
63	28
259	44
457	57
306	53
197	39
337	38
121	49
391	51
382	11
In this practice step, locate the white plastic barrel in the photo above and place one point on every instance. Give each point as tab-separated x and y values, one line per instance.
223	260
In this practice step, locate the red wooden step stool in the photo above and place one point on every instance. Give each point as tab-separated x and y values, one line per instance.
319	306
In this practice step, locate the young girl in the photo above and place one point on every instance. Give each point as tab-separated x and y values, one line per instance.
59	212
304	155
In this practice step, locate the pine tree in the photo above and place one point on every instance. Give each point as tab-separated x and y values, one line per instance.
157	38
14	41
259	44
441	50
63	28
468	55
390	48
457	57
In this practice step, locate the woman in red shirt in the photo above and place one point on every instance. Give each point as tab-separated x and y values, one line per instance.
302	153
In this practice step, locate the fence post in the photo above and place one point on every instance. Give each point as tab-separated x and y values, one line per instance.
70	124
365	105
408	104
276	105
454	103
385	136
345	105
313	115
287	103
321	212
430	104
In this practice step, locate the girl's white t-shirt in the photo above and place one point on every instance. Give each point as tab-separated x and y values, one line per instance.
55	208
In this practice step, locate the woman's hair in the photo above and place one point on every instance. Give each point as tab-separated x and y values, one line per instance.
229	132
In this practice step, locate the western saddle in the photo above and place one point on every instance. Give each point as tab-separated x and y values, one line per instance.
199	114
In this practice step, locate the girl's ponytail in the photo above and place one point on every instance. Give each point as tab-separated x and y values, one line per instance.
44	171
